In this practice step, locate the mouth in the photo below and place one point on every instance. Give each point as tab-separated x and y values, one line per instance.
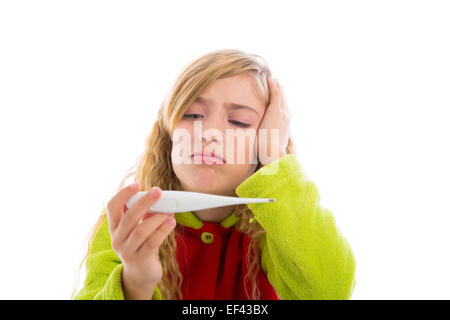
207	157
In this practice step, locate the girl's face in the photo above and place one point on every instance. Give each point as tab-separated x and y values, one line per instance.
224	121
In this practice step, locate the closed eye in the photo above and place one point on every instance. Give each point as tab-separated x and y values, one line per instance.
236	123
240	124
191	116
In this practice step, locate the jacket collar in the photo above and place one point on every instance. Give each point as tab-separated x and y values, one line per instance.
189	219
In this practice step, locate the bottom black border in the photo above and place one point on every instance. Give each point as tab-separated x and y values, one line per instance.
226	309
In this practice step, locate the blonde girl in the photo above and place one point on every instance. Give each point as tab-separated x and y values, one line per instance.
289	249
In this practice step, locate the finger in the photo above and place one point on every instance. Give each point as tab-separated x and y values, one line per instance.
116	204
283	100
158	236
152	213
136	212
143	230
288	112
283	96
284	105
273	92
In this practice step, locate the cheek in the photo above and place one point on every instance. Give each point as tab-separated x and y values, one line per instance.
245	143
184	125
182	138
242	150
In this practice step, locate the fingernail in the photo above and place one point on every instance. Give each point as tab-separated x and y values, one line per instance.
153	192
134	185
171	221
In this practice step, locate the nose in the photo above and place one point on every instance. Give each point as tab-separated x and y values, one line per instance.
213	140
212	129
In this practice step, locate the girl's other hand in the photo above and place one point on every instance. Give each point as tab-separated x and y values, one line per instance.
136	237
276	116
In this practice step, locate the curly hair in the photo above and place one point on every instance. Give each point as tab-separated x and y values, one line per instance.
154	168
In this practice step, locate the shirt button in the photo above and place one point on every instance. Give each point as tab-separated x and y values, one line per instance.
207	237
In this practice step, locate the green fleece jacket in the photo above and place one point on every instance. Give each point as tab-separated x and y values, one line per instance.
303	253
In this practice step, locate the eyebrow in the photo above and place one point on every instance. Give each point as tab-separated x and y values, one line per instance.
231	105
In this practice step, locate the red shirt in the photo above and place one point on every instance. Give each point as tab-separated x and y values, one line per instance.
213	263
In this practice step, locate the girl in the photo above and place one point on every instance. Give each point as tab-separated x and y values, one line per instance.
288	249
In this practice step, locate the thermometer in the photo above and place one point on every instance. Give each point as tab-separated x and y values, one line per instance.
184	201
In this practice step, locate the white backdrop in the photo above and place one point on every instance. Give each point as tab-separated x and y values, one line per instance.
367	84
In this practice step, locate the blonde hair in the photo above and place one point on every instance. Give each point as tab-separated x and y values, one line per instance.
154	166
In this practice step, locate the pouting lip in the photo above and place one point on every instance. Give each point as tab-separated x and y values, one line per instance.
208	154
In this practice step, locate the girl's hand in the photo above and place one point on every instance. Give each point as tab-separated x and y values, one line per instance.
136	237
276	116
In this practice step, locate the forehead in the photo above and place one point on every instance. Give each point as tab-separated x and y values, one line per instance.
239	89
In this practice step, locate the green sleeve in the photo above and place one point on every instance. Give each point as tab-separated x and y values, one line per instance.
104	270
303	253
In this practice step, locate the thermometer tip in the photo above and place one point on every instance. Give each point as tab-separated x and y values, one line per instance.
271	200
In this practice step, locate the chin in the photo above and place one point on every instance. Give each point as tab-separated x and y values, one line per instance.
207	186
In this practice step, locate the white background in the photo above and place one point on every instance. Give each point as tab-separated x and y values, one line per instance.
368	86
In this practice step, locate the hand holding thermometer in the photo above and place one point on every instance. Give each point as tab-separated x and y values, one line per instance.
184	201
